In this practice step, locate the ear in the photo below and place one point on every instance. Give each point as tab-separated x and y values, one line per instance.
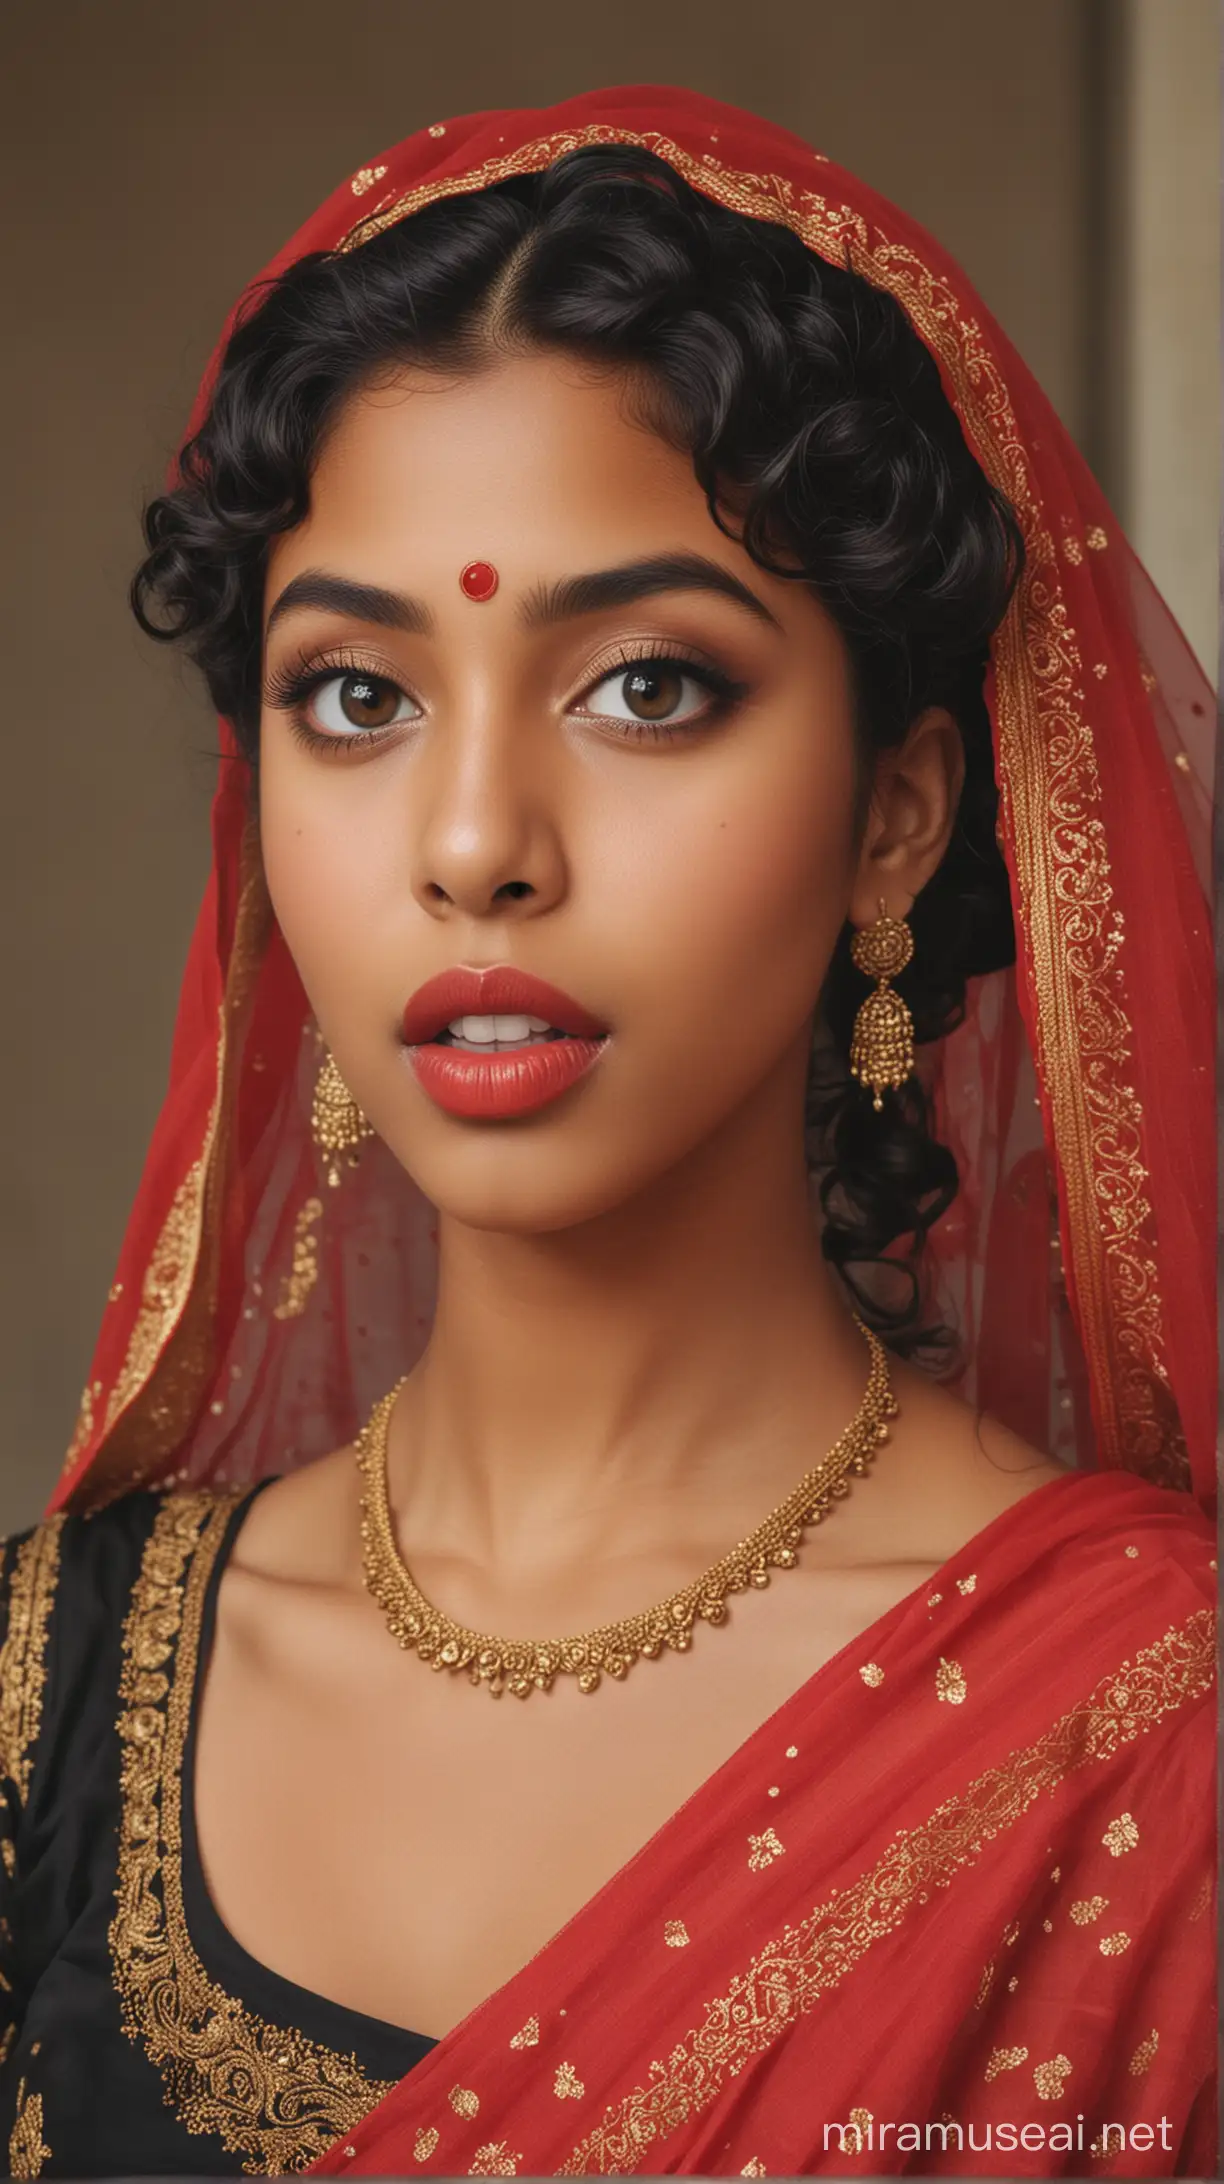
911	814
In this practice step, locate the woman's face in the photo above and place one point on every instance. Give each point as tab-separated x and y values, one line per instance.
628	773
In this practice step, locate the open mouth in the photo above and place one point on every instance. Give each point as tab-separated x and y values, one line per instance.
496	1034
496	1043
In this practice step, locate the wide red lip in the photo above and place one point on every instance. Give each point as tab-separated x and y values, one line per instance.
499	990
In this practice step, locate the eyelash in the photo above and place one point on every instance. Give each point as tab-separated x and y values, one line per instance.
289	687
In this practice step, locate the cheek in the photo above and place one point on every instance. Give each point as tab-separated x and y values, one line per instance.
738	888
328	869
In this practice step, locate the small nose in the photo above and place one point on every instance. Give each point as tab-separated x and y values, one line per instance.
489	843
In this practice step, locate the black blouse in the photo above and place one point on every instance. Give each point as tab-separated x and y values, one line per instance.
141	2038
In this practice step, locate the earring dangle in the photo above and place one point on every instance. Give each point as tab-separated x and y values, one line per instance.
337	1124
882	1048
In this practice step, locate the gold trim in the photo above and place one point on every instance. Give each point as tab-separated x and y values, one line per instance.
271	2095
1049	782
23	1658
809	1960
159	1385
27	2148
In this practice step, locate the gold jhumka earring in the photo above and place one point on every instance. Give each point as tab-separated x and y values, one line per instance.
337	1124
882	1047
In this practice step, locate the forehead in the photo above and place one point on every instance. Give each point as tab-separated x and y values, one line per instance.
537	459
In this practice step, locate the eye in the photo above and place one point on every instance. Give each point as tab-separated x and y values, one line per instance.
342	704
659	692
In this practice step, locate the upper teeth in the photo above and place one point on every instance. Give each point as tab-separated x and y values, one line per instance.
484	1030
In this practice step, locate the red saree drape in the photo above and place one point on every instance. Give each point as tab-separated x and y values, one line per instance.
960	1874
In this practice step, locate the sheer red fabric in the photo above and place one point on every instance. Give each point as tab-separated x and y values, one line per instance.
256	1315
998	1782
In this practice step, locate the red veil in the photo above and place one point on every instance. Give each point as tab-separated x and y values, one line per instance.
256	1315
1020	1722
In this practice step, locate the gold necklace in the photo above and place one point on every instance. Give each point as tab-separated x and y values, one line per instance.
524	1665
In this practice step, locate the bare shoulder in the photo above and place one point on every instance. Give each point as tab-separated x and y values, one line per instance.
303	1529
950	1469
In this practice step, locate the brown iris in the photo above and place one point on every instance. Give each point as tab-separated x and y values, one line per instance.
653	692
368	701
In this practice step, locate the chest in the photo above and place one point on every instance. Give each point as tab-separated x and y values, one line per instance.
403	1843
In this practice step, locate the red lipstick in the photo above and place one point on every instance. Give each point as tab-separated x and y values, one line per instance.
497	1078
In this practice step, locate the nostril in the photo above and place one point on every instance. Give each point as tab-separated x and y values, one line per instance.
515	888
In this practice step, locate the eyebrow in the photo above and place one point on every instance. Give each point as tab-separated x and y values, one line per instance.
547	604
364	602
624	585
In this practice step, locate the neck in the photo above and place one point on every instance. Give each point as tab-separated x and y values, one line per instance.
686	1356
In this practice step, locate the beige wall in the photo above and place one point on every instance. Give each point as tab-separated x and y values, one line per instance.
157	153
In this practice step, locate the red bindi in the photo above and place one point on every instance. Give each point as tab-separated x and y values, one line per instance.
478	580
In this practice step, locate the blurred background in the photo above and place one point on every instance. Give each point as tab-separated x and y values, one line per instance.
154	155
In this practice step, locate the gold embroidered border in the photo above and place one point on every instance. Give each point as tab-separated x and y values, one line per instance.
271	2095
1049	781
23	1658
28	2149
154	1395
807	1961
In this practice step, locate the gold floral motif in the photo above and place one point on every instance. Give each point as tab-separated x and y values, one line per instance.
529	2036
763	1849
304	1273
1144	2055
872	1675
985	1984
675	1934
1049	2078
1114	1944
365	178
495	2159
567	2085
754	2167
1121	1835
27	2148
1051	798
1009	2058
23	1658
810	1959
1073	551
1088	1908
464	2101
1011	1934
950	1682
269	2094
967	1584
424	2144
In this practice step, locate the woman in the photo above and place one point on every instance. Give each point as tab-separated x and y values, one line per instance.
651	610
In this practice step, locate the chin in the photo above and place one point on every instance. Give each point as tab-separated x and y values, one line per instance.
527	1179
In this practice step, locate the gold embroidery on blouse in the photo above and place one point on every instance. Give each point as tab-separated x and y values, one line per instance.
529	2036
6	2041
1049	2078
304	1273
567	2085
809	1959
1114	1944
1088	1908
1048	766
23	1658
950	1682
872	1674
676	1934
495	2159
1005	2059
1144	2055
424	2143
269	2094
763	1849
27	2149
1121	1835
464	2101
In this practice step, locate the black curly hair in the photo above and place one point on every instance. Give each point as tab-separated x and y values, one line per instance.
820	433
